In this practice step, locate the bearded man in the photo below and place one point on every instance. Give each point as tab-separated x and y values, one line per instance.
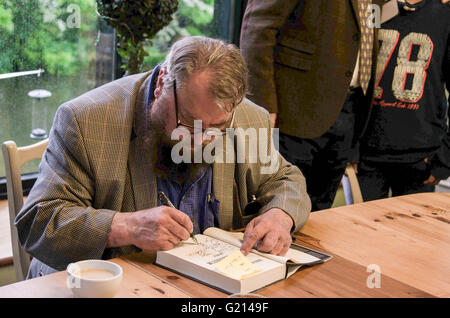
111	150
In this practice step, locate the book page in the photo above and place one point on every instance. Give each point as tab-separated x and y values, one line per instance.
211	251
235	238
208	250
236	265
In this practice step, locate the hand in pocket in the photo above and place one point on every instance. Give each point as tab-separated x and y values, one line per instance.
431	179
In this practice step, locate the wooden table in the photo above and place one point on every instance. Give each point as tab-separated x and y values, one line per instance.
135	283
407	237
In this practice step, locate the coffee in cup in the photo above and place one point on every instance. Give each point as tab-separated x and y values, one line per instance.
94	278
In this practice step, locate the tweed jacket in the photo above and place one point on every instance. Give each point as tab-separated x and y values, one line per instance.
301	55
96	165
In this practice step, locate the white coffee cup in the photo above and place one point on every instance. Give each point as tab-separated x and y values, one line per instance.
94	278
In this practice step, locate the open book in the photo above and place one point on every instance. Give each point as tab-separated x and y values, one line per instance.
216	261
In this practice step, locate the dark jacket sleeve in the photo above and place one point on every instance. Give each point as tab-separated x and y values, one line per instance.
261	23
441	161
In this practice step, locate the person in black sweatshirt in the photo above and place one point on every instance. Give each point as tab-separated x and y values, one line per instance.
406	145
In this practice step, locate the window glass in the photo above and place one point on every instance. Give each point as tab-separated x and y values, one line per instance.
62	39
193	17
74	49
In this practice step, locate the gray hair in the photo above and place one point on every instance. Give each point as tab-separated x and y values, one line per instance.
223	62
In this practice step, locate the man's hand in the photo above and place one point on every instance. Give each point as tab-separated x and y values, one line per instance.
445	1
271	231
432	180
155	229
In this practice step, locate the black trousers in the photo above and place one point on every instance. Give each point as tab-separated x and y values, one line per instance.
376	178
323	160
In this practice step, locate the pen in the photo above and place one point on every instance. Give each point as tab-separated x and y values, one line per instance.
165	200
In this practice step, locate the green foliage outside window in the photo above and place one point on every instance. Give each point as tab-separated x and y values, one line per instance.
194	17
136	22
37	34
44	34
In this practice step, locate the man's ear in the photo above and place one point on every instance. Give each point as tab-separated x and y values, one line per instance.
160	82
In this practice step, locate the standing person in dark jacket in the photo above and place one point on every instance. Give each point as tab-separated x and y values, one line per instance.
406	147
301	56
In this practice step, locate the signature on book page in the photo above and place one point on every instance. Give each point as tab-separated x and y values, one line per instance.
211	248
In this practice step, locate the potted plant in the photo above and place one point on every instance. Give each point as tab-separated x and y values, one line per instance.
136	22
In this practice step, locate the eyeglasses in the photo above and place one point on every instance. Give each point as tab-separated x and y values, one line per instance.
208	131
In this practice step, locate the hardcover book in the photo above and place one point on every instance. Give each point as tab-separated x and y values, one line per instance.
217	262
